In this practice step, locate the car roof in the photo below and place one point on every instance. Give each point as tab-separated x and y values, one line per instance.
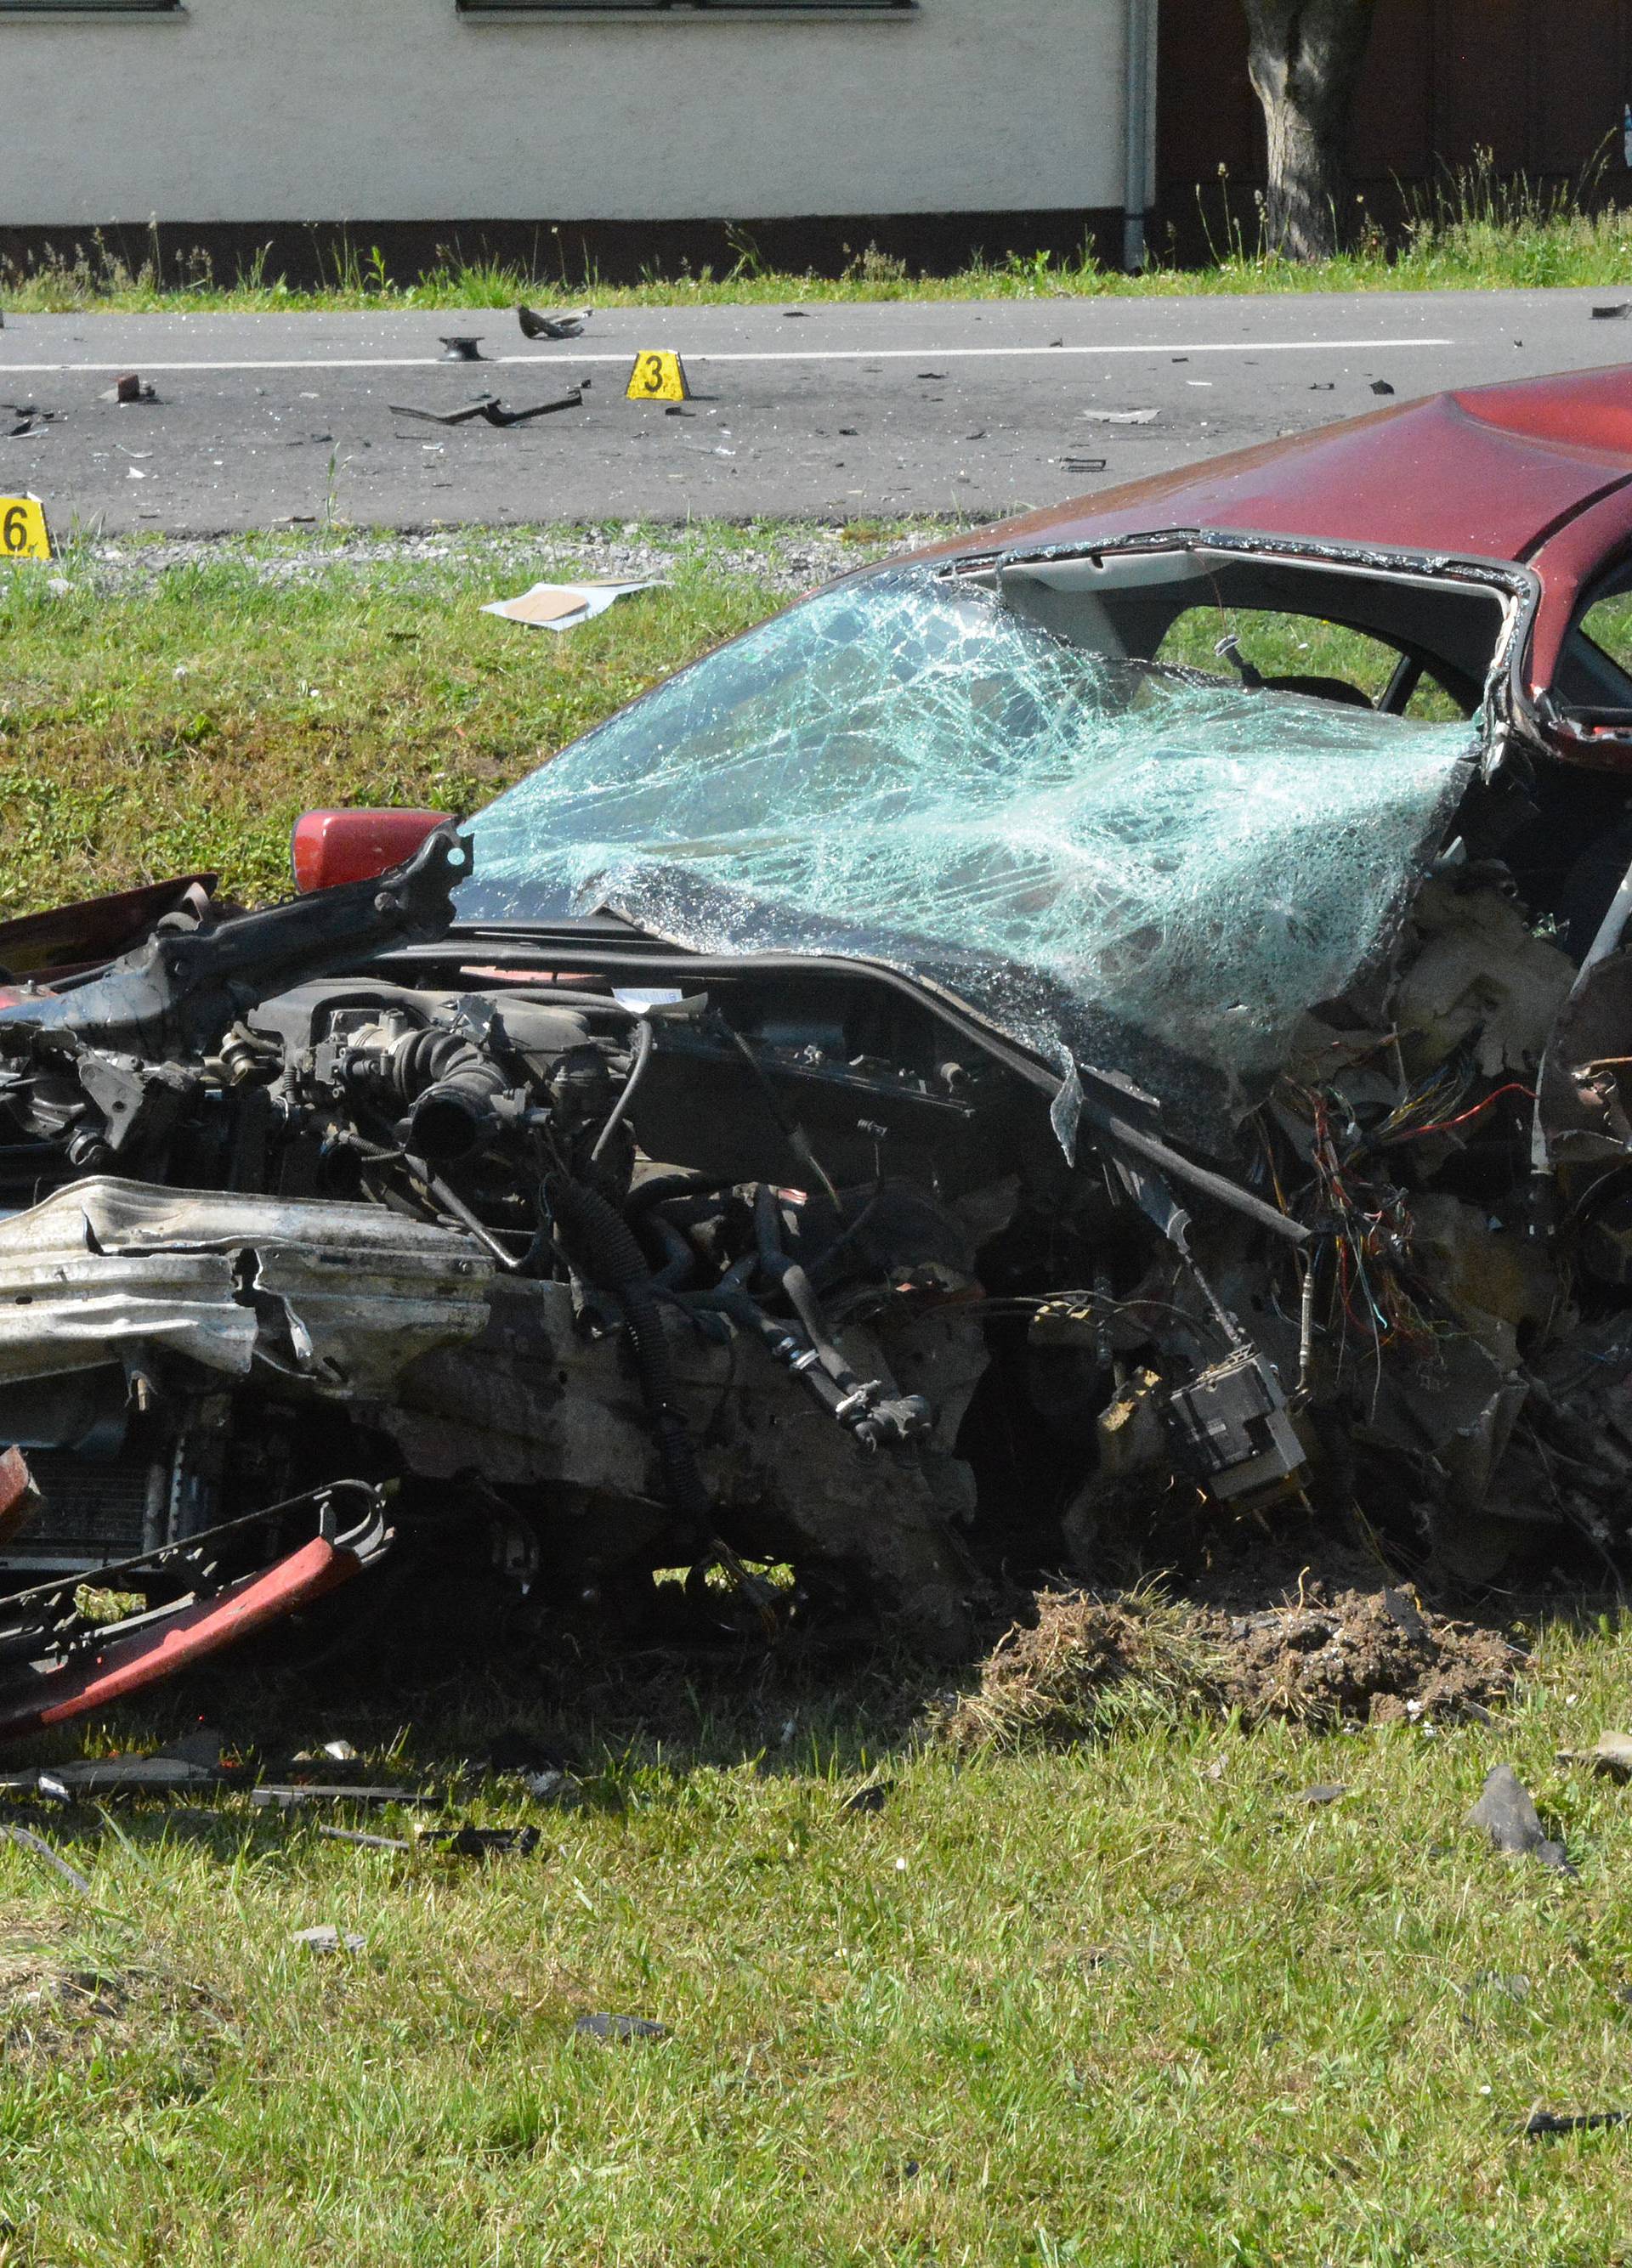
1492	472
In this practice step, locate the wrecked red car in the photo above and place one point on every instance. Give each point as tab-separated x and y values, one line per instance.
1116	1019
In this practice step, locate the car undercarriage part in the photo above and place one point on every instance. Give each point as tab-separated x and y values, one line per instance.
57	1662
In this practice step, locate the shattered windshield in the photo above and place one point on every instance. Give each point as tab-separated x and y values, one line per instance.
1132	868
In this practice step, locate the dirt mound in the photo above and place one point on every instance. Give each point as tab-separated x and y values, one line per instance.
1087	1663
1373	1654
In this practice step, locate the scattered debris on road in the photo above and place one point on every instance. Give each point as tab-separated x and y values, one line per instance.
129	389
1122	416
534	326
458	349
489	407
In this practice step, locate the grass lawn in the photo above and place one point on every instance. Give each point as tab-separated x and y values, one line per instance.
1129	2004
1471	231
1132	2004
151	724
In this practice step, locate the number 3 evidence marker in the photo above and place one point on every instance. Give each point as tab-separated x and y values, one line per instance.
657	378
23	532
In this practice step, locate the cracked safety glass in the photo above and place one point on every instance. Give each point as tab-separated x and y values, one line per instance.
1127	865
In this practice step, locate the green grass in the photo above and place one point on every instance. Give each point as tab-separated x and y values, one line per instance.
1470	231
1116	2006
154	725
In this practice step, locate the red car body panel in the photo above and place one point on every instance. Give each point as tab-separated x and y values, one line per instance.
1493	473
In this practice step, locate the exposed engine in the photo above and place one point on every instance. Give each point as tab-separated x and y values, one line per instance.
610	1261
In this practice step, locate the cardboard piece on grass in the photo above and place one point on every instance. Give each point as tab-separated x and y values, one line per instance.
657	376
23	531
563	605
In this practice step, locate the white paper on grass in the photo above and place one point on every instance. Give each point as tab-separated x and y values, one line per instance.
563	605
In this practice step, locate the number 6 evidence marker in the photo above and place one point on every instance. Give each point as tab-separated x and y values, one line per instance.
23	532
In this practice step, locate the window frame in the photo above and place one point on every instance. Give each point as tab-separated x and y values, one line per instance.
683	12
21	8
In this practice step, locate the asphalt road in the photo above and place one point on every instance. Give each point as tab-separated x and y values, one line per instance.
833	412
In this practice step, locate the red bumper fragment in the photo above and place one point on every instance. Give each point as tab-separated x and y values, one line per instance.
158	1645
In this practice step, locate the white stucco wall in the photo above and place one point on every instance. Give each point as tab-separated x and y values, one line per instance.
251	110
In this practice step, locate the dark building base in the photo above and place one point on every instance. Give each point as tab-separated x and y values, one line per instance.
575	254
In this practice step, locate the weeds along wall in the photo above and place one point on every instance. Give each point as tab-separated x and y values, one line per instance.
328	111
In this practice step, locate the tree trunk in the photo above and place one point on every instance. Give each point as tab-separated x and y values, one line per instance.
1304	57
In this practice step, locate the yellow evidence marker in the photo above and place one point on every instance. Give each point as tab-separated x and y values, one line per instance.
657	378
23	532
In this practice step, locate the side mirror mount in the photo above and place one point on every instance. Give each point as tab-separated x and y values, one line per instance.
328	847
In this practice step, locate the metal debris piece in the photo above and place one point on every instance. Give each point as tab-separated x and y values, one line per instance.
1402	1610
1610	1755
1381	386
1616	309
1542	2124
368	1842
1122	416
553	1787
42	1850
462	350
65	1663
203	1745
290	1798
325	1938
117	1775
129	388
492	410
619	2028
869	1798
534	326
1506	1814
480	1842
1323	1792
1082	464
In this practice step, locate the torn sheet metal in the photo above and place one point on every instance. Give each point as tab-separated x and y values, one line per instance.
339	1297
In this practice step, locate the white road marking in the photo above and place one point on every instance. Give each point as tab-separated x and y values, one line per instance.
702	355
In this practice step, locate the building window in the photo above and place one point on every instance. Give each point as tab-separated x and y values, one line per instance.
683	7
88	7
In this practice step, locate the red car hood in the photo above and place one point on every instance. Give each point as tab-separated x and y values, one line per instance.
1493	473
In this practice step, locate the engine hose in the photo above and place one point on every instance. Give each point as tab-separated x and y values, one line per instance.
600	1242
664	1188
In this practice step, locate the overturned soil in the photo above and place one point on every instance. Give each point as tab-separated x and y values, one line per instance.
1322	1655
